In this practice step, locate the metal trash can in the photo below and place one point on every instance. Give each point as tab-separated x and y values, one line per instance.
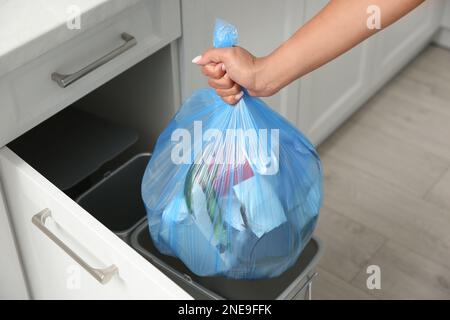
116	200
295	283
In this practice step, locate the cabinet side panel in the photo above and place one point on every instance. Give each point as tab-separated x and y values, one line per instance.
12	281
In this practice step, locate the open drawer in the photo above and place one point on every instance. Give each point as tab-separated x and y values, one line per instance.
67	254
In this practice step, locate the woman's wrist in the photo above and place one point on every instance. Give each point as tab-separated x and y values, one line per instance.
278	69
265	82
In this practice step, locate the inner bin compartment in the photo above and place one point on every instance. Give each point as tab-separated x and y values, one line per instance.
71	146
80	145
116	200
293	283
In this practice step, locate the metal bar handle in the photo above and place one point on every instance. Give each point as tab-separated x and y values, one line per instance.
63	80
101	275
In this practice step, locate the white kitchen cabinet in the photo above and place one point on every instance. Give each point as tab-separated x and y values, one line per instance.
446	15
395	46
443	36
332	93
12	280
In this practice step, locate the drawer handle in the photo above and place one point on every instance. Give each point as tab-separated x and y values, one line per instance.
63	80
101	275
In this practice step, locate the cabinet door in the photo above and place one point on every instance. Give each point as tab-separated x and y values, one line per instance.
398	44
12	281
331	93
446	15
262	27
67	254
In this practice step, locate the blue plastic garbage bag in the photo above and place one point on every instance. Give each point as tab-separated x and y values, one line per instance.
232	190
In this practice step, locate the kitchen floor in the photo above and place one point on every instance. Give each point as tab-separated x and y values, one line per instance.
387	190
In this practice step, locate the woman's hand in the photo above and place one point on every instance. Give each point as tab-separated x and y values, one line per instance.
229	69
338	27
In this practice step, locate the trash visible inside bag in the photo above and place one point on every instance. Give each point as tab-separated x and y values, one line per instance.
233	191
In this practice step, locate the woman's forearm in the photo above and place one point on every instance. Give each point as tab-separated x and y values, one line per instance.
338	27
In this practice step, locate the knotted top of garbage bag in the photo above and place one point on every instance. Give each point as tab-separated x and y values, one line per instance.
225	35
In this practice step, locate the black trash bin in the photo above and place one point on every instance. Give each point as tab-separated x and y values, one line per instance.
116	200
295	283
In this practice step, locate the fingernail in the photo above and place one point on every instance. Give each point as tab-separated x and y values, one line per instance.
223	67
196	59
239	95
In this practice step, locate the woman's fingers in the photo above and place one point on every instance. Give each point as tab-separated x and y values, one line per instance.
230	91
233	99
230	100
213	67
213	71
223	83
234	90
212	55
